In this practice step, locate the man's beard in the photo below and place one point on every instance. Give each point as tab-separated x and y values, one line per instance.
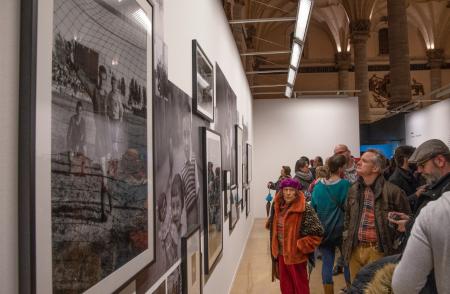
432	177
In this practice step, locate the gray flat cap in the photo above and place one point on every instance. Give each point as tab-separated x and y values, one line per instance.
429	149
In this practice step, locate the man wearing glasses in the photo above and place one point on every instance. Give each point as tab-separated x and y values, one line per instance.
424	265
433	161
350	169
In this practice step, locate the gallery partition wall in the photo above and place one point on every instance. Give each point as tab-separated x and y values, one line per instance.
285	130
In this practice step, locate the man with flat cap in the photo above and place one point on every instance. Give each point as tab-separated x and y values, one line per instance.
424	265
433	161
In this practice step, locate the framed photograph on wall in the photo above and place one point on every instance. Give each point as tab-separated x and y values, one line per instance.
249	162
234	208
202	83
86	157
247	201
239	164
192	262
213	225
226	193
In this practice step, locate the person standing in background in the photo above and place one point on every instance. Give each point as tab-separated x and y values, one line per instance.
403	175
284	174
350	169
328	200
303	175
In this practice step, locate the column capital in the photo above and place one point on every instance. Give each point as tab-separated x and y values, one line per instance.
435	57
359	30
343	60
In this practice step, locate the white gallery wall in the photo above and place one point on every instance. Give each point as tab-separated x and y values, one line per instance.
9	122
432	122
285	130
205	21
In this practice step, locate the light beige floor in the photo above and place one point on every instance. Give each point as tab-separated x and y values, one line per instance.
254	273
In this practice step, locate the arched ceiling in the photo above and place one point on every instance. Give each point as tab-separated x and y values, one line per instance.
256	40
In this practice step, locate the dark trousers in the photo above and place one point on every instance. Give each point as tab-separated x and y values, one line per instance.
293	277
328	255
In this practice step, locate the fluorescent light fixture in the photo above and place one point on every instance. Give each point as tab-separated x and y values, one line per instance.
295	55
288	92
291	76
141	17
303	15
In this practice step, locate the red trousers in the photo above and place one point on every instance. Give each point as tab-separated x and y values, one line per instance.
293	277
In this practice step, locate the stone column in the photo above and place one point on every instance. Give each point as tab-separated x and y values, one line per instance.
435	61
400	76
359	30
343	64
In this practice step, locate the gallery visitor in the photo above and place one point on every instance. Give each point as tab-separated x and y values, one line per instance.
367	235
328	200
284	174
295	233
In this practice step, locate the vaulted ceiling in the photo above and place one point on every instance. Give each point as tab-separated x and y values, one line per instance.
265	46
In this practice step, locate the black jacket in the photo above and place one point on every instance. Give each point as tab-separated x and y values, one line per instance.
405	180
432	193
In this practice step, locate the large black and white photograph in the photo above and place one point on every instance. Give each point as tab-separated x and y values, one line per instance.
101	141
234	208
192	262
212	203
202	83
225	119
176	182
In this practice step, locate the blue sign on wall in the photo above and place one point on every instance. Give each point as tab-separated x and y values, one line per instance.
385	149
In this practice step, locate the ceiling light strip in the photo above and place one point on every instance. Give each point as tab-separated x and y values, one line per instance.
301	27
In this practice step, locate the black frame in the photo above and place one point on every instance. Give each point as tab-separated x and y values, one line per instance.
239	167
226	194
247	202
184	257
207	269
249	154
236	206
196	47
27	146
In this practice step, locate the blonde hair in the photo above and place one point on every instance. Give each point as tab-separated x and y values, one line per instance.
321	172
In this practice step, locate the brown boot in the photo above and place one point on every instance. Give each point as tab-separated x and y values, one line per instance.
328	288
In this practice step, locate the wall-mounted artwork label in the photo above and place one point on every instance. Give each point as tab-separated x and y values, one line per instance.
202	83
94	157
212	201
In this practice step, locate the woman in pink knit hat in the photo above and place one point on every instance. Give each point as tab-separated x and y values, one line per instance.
295	232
